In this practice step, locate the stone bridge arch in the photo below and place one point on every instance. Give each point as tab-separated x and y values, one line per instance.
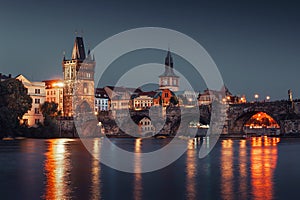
239	114
240	121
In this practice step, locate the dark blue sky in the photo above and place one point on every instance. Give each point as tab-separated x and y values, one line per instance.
255	44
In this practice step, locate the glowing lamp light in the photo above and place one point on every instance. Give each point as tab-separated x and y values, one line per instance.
256	96
58	84
268	97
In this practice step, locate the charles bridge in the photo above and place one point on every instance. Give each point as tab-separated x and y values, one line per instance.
285	113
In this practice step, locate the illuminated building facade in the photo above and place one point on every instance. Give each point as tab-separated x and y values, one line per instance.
142	101
224	96
163	98
54	92
101	100
36	90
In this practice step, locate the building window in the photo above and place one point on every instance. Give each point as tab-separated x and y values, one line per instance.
36	111
37	101
37	121
85	88
37	91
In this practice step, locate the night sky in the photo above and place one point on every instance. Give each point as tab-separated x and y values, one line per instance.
255	44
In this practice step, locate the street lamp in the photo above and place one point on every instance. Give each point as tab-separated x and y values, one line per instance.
267	98
256	97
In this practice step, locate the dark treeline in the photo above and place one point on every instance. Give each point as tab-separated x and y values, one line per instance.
14	103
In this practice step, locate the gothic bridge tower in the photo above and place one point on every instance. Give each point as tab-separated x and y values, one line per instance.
78	75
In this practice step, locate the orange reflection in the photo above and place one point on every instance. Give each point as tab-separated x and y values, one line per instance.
57	167
191	169
263	162
243	186
96	170
227	169
137	170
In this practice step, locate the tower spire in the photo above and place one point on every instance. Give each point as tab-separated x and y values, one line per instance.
169	59
78	49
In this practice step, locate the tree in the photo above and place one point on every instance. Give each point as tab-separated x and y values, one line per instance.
174	100
49	109
14	103
50	112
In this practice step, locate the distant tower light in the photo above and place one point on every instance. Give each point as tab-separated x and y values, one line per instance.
290	93
256	96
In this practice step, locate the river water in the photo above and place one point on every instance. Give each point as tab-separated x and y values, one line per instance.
259	168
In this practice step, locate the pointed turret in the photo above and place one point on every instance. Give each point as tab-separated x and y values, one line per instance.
89	56
78	49
169	66
169	59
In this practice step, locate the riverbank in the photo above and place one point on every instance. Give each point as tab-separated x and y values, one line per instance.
158	136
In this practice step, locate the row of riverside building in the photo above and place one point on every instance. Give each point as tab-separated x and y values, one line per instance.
80	68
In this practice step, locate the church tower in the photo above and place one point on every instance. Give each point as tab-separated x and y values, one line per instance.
169	80
78	75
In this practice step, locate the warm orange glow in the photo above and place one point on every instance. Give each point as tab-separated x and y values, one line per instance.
261	120
227	169
191	169
138	188
57	170
96	170
243	180
58	84
263	163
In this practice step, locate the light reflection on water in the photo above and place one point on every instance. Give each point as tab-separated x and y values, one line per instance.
227	169
57	170
260	163
240	169
96	170
263	163
138	188
191	169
